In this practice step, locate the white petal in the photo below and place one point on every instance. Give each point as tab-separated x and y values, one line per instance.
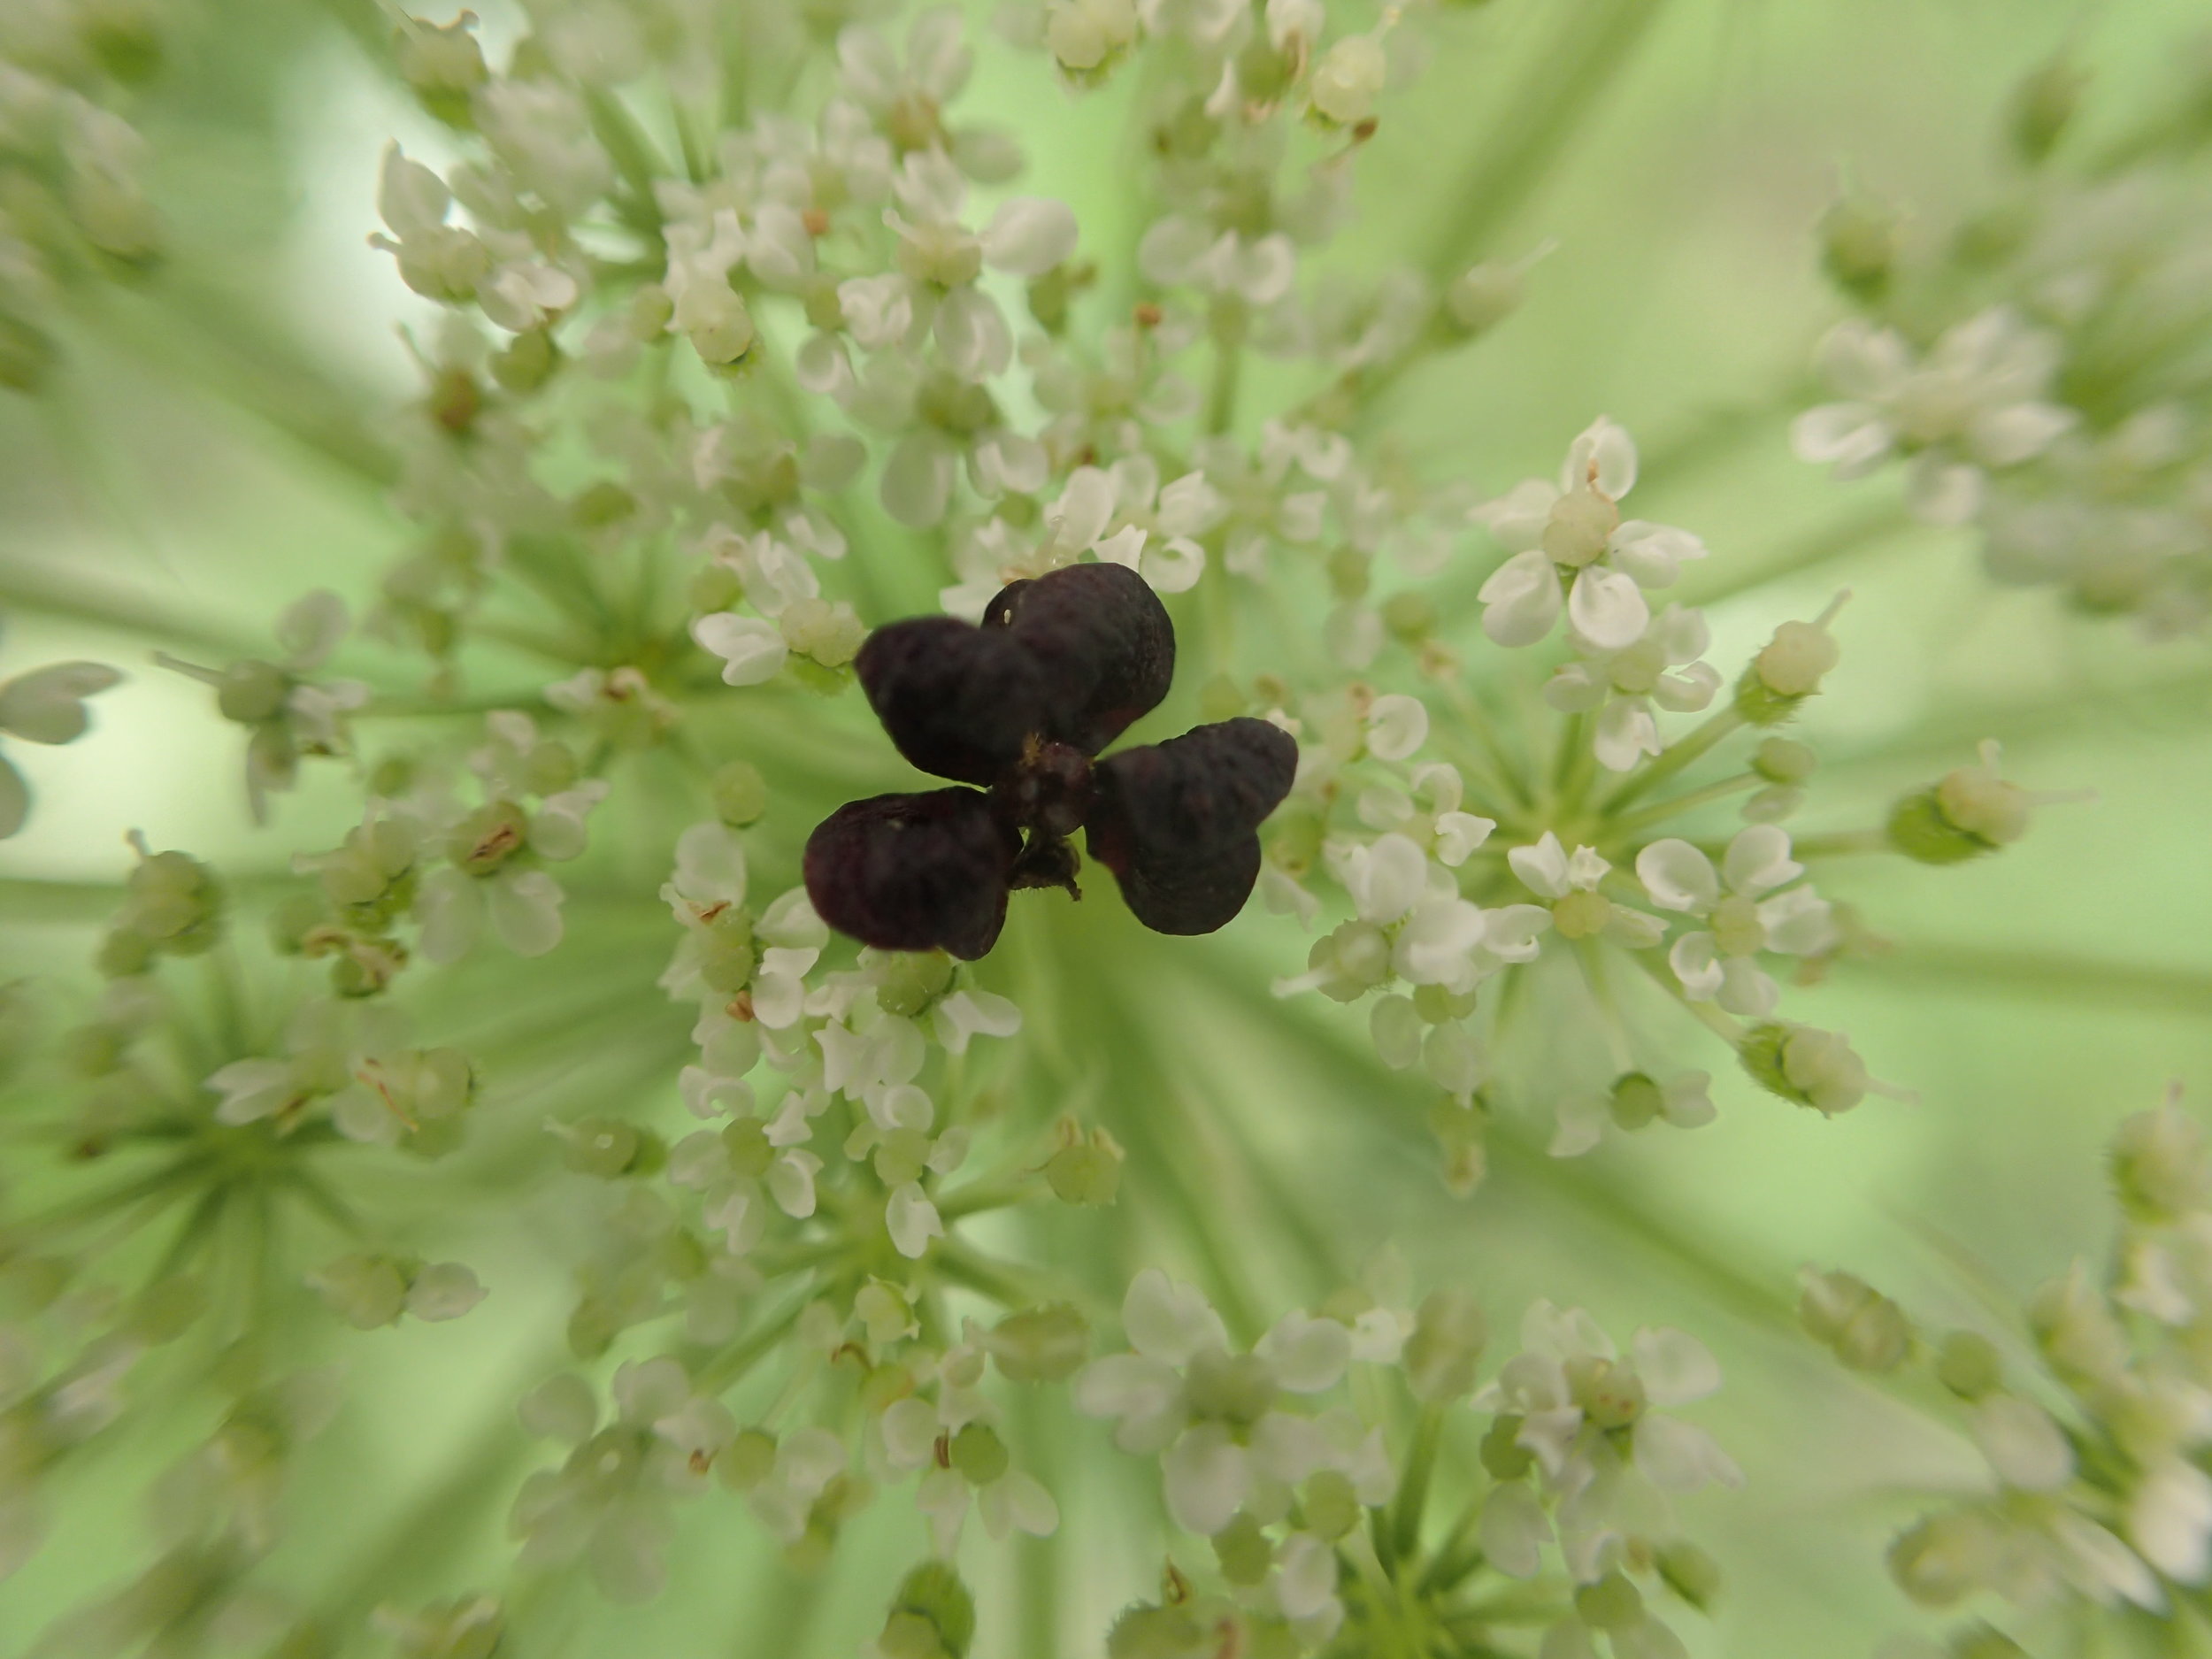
1853	436
2022	1444
450	910
1173	565
1167	1320
1085	504
918	479
2170	1519
1024	1504
1128	1387
1759	859
1676	1368
1308	1356
1305	1580
524	910
1746	990
1206	1479
444	1290
1542	868
1695	960
47	704
710	864
1678	877
1385	879
1653	554
1029	235
973	333
1603	455
1607	608
1514	1529
1521	600
752	648
1397	725
1678	1456
1941	493
911	1220
311	628
1517	518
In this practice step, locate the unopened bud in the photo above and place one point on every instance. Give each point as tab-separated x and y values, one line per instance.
933	1617
1867	1331
1047	1344
1446	1343
1859	238
2158	1164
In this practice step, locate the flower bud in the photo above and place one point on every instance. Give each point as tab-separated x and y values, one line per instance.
1968	1364
1867	1331
1087	1173
1944	1558
1446	1343
1161	1633
747	1461
1083	35
1611	1603
1784	760
2158	1165
1347	80
740	793
1047	1344
365	1290
2043	107
1486	295
1331	1507
1243	1551
932	1616
1859	238
442	65
1788	669
1691	1574
1805	1065
603	1147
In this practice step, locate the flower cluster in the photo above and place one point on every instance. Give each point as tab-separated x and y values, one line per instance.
2040	368
2098	1498
1318	1531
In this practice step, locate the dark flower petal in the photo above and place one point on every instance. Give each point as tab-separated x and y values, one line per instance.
1189	893
958	701
913	871
1175	821
1103	641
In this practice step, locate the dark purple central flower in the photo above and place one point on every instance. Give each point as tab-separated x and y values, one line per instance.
1020	707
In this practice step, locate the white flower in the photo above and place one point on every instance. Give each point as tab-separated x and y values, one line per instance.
738	1172
44	706
1716	964
1180	1393
1577	528
1978	401
1125	515
1659	667
752	649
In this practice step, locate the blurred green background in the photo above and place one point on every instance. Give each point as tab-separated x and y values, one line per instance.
150	500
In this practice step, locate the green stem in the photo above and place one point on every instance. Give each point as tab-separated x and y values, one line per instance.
724	1368
1823	547
1842	842
1660	811
2042	974
1413	1485
1715	728
1595	42
1229	321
